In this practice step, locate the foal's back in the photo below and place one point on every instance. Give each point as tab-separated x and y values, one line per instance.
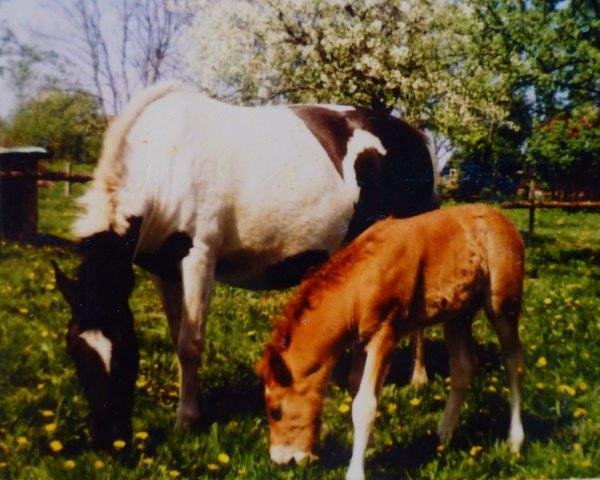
439	264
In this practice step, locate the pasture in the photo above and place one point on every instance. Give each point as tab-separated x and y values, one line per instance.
44	433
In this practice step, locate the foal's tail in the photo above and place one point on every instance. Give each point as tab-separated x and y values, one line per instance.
100	202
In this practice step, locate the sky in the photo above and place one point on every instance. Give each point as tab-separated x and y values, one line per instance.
25	18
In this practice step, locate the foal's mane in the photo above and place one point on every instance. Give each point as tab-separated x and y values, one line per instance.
317	282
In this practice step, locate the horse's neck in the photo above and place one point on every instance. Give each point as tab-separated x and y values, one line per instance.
319	339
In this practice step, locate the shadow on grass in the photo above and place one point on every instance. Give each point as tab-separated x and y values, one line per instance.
242	397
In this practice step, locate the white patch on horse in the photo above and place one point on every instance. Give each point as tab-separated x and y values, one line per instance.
360	141
102	345
338	108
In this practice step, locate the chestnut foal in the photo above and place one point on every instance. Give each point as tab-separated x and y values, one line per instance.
395	278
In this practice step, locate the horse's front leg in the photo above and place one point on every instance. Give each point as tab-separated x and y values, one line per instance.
364	406
197	271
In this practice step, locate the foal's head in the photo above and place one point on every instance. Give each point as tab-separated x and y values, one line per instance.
100	335
293	410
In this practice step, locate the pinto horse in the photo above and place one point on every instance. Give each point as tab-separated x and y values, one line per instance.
398	276
192	190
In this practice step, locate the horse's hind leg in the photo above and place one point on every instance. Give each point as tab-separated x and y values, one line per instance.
505	320
419	374
364	405
462	359
197	270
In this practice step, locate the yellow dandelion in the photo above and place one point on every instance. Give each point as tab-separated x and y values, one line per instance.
347	399
440	448
583	386
56	446
542	362
491	389
98	464
51	427
3	465
39	386
223	458
141	382
212	466
148	461
586	463
580	412
438	398
251	333
476	450
540	386
344	408
547	300
141	436
566	389
22	440
577	447
24	311
119	444
49	286
415	402
47	413
392	407
174	473
69	464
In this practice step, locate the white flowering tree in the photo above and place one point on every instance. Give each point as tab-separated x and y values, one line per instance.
417	57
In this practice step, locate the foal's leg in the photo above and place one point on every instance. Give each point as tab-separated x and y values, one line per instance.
197	270
506	324
364	405
419	375
359	357
462	359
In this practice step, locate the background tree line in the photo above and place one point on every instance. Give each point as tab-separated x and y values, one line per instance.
510	87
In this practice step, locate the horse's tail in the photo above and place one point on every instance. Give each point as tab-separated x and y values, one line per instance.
100	201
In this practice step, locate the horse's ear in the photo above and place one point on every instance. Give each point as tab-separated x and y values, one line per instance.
67	286
278	370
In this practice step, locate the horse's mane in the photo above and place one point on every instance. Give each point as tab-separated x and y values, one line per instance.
101	200
316	283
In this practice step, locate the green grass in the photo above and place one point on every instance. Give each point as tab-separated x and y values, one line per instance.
561	324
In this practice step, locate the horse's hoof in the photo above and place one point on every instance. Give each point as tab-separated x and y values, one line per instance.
419	378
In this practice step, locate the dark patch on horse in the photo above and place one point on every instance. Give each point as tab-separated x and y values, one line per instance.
397	184
331	129
290	271
99	300
165	261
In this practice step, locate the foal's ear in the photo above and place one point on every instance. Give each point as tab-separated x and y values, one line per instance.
67	286
278	370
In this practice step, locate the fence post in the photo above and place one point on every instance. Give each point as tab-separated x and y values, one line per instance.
68	169
531	207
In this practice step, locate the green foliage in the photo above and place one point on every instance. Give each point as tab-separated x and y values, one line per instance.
67	124
565	151
560	330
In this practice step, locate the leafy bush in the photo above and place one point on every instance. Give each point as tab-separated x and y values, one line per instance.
67	124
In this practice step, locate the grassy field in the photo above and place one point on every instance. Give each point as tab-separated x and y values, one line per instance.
43	432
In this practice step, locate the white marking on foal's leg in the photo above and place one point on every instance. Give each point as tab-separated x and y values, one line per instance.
364	405
419	375
102	345
516	435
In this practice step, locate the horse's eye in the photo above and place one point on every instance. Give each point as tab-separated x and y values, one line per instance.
275	413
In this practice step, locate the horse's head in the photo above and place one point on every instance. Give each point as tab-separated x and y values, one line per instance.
293	410
102	342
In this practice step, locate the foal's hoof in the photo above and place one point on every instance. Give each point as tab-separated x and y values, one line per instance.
419	378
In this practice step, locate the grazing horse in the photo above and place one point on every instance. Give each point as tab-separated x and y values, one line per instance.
192	190
398	276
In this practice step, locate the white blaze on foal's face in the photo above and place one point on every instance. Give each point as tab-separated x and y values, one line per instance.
100	344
